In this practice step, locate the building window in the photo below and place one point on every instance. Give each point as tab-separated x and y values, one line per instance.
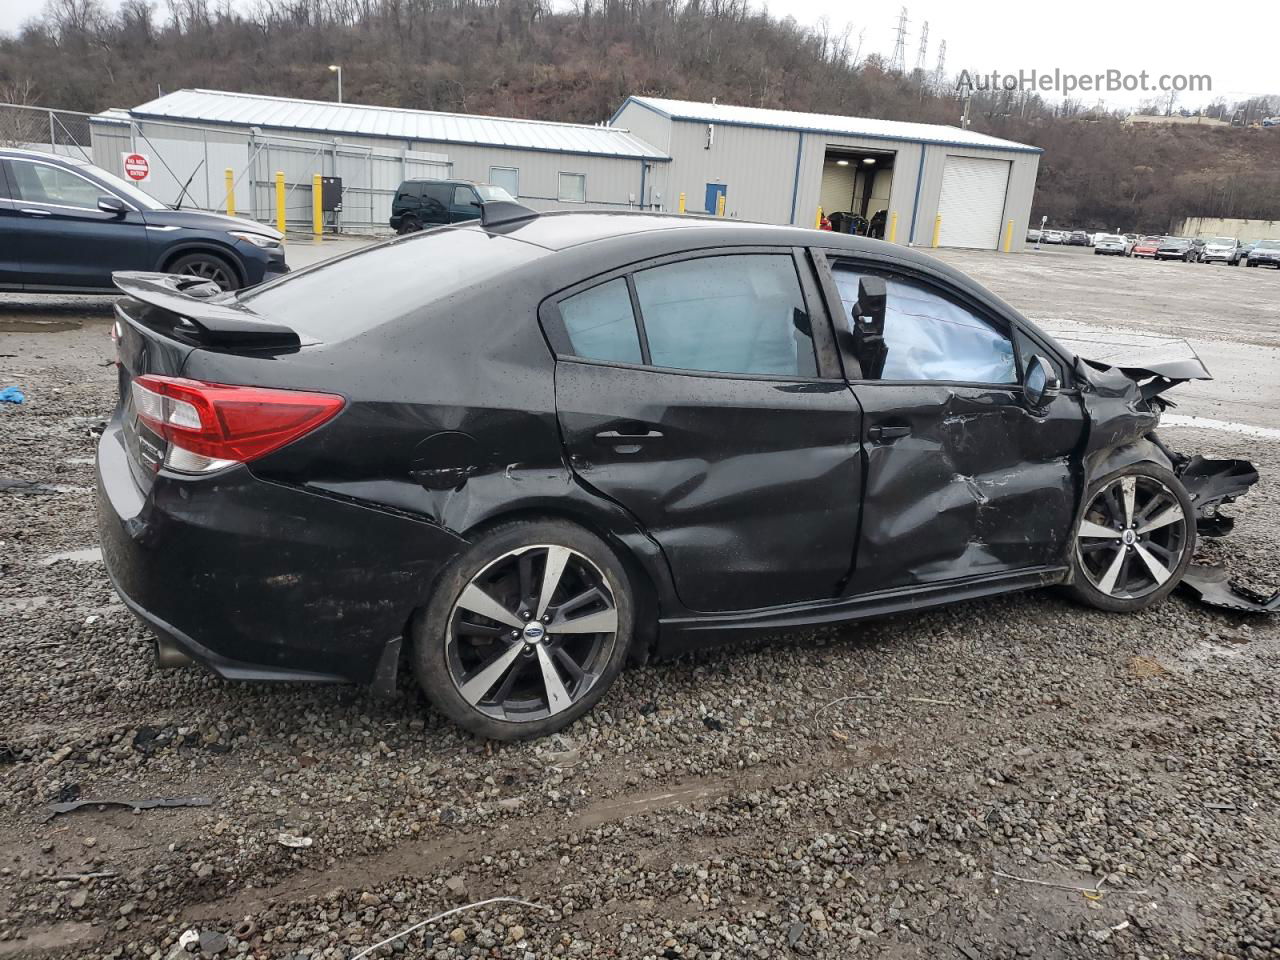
573	188
508	178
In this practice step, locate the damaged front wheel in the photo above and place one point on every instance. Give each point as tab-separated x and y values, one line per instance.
1134	540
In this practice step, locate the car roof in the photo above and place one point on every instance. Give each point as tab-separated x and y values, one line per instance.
560	230
43	155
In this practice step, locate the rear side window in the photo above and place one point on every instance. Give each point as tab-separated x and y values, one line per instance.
437	195
601	325
742	314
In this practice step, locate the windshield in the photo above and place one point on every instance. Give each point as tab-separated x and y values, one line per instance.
1223	241
488	192
1176	242
127	190
1267	245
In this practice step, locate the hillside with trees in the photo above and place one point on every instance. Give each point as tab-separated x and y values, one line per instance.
521	58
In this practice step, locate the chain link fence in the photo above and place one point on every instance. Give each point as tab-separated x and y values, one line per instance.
219	168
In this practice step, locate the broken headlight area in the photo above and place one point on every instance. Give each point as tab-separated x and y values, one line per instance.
1212	483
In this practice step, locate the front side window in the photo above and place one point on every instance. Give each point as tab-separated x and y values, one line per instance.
573	188
601	325
929	336
742	314
41	183
464	198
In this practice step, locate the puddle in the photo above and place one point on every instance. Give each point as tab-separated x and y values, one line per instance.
87	555
27	325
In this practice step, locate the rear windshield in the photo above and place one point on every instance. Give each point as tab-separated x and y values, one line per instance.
351	294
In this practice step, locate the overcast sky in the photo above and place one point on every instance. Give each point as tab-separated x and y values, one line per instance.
1234	47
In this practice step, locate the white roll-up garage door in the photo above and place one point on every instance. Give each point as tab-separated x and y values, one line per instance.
972	202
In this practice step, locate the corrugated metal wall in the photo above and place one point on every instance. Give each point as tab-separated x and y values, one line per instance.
371	168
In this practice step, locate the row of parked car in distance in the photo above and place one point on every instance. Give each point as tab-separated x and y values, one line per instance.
1228	250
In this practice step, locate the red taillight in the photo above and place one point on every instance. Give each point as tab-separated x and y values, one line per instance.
212	425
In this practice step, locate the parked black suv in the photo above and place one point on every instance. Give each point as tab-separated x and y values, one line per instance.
66	226
421	203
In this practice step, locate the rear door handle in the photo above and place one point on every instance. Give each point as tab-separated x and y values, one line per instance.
888	434
34	212
615	437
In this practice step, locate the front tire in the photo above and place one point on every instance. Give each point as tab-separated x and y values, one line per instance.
1134	540
526	632
207	266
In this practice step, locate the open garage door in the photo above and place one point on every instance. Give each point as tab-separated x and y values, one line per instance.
972	202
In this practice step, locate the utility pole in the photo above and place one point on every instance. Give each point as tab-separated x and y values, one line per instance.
899	63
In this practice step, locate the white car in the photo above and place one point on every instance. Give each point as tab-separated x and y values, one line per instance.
1112	244
1225	249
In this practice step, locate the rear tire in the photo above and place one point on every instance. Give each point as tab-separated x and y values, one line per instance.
1134	540
410	225
207	266
504	650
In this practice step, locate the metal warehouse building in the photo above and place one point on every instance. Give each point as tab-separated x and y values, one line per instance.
779	166
192	137
910	180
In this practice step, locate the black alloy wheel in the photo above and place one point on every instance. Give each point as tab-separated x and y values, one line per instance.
531	637
207	266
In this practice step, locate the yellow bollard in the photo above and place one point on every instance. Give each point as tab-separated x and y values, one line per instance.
280	200
937	228
317	205
720	205
682	203
231	192
1008	237
817	221
893	228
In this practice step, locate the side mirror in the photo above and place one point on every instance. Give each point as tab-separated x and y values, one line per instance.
868	312
112	205
1041	383
868	326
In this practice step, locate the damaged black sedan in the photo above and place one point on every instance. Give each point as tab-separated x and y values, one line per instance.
515	452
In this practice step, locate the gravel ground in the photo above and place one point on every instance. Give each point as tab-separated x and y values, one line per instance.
867	791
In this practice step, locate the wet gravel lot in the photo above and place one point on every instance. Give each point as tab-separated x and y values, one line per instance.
1014	777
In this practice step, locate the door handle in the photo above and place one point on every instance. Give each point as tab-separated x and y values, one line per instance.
887	434
35	212
615	437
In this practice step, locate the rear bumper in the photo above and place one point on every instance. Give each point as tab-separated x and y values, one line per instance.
261	581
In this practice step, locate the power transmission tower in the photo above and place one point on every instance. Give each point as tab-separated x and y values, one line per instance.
939	77
899	64
924	47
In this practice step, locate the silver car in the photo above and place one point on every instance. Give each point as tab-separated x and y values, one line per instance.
1113	244
1223	249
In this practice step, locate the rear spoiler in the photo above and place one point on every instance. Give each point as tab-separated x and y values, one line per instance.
223	324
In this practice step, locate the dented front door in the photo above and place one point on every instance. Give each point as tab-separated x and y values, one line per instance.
962	477
962	481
